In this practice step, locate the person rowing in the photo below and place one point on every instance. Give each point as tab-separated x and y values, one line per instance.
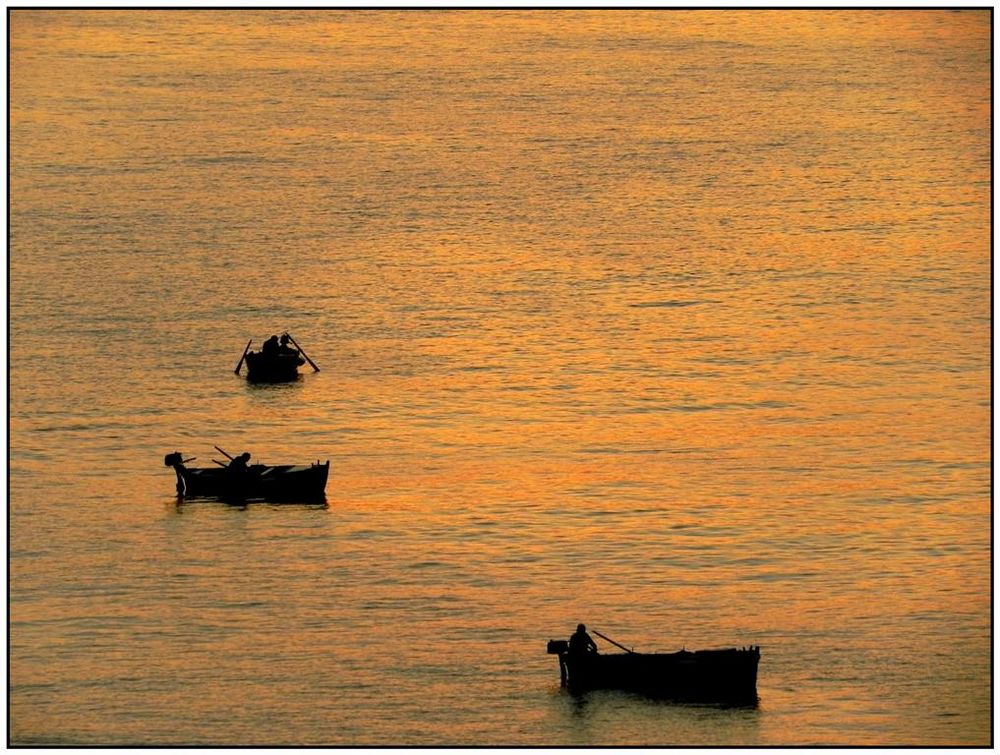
270	346
238	465
284	348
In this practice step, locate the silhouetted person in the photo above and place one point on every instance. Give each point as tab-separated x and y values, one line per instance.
239	476
284	348
581	643
270	346
238	465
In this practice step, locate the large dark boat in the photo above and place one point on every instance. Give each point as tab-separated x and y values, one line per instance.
284	482
705	676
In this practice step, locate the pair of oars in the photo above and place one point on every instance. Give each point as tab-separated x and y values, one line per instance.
240	363
224	454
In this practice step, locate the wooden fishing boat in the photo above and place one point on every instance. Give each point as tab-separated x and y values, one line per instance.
272	368
704	676
275	362
284	482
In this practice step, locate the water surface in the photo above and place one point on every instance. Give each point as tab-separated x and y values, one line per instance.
673	322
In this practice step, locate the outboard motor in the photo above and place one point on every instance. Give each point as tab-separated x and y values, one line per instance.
560	648
176	460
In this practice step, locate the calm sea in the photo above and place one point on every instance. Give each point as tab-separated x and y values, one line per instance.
673	322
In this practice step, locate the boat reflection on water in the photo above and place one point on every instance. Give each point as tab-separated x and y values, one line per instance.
181	504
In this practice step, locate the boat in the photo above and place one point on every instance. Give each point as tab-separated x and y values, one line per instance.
272	368
702	676
301	483
275	362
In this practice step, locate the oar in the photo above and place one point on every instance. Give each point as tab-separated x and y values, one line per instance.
311	362
224	466
618	644
240	363
223	453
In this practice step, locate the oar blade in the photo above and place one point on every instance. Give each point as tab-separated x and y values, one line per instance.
240	363
228	456
616	644
304	355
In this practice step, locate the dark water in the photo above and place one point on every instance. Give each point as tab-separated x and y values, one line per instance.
676	323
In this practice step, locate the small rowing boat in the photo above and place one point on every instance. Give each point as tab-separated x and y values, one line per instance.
276	362
240	481
272	368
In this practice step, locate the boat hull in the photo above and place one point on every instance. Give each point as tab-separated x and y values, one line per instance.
719	676
272	368
290	483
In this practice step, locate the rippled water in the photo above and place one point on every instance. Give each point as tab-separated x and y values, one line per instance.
673	322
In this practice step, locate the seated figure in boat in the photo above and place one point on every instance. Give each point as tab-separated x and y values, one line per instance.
239	476
581	643
238	465
270	346
284	348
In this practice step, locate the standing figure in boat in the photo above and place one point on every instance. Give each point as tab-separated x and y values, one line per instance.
581	643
